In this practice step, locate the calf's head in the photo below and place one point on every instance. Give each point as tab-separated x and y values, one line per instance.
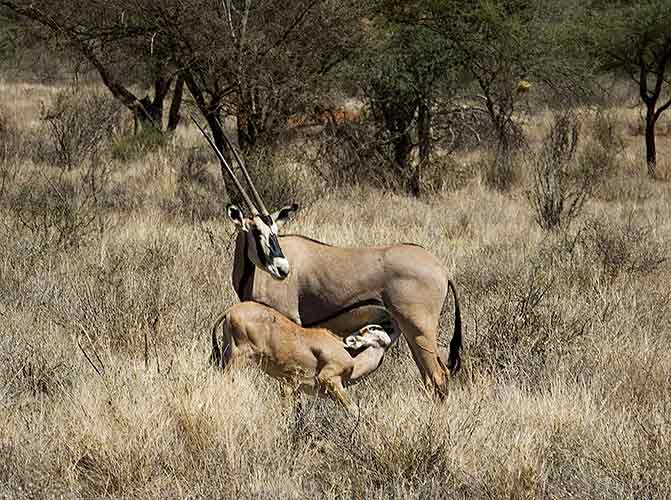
368	336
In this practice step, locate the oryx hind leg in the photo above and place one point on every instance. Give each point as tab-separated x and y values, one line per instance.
422	342
415	303
419	325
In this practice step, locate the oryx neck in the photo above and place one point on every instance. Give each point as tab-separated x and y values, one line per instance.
243	269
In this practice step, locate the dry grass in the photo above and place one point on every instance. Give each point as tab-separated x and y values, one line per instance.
567	350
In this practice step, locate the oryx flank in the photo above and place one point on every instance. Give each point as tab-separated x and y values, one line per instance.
311	282
304	358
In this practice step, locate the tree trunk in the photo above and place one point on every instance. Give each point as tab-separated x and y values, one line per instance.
244	123
254	111
210	110
398	124
424	130
245	120
395	111
173	115
424	136
402	149
150	111
650	148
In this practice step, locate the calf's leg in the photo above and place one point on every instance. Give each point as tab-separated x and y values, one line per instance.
332	383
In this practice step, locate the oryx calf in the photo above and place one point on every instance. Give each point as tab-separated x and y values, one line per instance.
305	358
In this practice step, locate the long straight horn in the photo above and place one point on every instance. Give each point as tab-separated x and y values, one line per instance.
244	194
257	197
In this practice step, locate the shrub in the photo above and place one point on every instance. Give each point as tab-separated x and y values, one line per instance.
603	154
121	300
626	247
604	132
39	370
498	173
521	333
201	195
561	185
130	147
354	153
12	141
277	179
58	211
12	146
600	153
459	127
347	154
77	125
415	451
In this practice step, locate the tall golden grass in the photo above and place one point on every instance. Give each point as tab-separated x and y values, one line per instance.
105	390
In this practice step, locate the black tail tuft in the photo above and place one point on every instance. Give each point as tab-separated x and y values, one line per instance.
216	358
454	358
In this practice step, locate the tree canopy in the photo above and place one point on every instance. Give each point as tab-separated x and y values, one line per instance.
263	60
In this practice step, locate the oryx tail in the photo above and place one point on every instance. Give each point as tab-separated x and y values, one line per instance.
454	358
220	356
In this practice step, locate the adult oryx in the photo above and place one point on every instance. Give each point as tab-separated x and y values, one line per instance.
311	282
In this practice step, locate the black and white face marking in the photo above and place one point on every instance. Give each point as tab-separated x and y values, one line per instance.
264	249
263	231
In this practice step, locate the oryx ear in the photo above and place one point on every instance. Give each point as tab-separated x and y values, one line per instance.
235	214
284	214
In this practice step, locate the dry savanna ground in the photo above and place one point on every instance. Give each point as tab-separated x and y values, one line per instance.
114	263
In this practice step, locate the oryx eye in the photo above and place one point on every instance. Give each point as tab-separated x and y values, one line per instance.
258	235
259	244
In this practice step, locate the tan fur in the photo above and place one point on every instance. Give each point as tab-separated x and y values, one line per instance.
301	357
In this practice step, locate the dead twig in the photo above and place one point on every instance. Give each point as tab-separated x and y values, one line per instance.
154	328
100	371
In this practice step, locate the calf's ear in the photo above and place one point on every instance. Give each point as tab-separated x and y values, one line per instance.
355	342
378	334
